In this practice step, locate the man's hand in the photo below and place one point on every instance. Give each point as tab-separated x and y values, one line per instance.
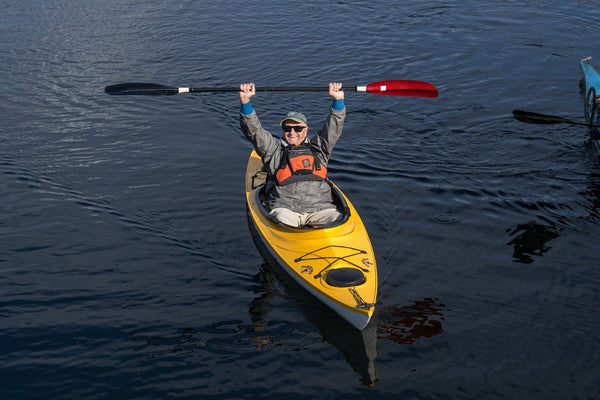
335	90
247	90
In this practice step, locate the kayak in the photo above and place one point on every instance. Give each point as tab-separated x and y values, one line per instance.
591	84
335	263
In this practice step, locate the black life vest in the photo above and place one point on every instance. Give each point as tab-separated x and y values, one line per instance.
299	163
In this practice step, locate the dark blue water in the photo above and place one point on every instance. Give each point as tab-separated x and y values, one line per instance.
127	269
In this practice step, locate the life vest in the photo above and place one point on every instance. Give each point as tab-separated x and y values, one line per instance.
299	163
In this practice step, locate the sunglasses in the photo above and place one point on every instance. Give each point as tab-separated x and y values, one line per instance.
296	128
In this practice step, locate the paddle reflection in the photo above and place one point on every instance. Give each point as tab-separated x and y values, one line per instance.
406	324
531	240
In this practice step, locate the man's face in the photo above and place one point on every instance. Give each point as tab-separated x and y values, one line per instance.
294	133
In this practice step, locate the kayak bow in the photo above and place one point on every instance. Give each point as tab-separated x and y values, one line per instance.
335	264
591	84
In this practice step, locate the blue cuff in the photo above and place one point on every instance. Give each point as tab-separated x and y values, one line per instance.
338	105
247	109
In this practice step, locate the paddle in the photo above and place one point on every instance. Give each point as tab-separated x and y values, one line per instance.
536	118
389	88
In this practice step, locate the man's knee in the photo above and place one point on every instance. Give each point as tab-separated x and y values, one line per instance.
285	216
325	217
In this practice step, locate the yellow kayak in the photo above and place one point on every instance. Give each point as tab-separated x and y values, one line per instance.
336	264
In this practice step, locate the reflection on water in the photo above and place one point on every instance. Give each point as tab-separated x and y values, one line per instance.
358	348
265	291
406	324
399	324
593	194
531	240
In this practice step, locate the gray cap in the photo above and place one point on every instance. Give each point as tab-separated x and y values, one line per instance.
294	116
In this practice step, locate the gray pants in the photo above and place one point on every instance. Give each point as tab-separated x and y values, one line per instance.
315	219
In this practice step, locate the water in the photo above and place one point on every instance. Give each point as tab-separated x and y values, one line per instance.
129	271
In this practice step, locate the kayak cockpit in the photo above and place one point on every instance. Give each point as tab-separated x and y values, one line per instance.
338	200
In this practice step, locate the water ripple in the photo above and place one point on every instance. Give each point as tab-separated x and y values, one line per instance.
128	268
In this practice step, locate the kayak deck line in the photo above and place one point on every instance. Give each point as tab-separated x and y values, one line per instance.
360	303
335	258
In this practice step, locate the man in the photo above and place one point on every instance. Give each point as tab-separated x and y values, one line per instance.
296	191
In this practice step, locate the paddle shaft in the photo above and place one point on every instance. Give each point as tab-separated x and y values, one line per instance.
266	89
389	88
537	118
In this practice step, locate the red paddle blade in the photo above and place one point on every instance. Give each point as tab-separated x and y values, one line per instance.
400	87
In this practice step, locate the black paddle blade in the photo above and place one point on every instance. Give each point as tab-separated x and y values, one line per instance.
150	89
536	118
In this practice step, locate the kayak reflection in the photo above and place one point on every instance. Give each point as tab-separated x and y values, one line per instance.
359	348
399	324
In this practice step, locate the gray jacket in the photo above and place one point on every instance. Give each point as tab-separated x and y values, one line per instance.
304	196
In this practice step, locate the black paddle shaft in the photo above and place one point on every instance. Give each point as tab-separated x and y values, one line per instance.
537	118
154	89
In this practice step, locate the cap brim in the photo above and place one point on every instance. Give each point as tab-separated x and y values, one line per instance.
292	119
